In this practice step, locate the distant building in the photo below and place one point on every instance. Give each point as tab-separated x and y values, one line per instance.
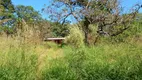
56	40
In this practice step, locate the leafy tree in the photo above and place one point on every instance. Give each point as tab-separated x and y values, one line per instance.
6	16
6	10
27	13
107	14
28	19
59	30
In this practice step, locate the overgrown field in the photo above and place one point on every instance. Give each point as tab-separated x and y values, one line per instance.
47	61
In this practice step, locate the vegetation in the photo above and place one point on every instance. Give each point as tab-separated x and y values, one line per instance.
75	37
104	61
107	15
103	43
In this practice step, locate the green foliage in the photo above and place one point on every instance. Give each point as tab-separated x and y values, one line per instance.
59	30
58	71
75	37
103	62
134	31
18	64
6	16
106	61
6	9
51	45
69	68
7	29
27	13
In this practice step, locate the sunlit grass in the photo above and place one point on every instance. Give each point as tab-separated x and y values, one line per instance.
48	61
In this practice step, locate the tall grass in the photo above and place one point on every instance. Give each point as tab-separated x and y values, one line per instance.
19	61
76	37
22	61
103	62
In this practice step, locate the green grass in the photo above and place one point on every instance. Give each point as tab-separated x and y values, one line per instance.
18	64
102	62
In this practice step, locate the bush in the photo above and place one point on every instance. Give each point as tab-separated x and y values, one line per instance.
75	37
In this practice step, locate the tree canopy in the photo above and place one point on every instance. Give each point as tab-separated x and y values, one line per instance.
6	10
27	13
106	14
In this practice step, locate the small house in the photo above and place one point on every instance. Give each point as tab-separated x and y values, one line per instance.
56	40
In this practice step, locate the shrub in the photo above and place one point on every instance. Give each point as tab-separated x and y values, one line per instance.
75	37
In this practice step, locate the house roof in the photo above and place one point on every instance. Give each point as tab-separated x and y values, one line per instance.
54	38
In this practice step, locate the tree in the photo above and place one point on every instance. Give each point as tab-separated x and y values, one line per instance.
6	16
30	23
27	13
59	30
6	10
107	14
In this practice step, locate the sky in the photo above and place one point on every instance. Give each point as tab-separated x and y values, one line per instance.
39	4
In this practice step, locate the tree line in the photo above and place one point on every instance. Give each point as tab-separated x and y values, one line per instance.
106	16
